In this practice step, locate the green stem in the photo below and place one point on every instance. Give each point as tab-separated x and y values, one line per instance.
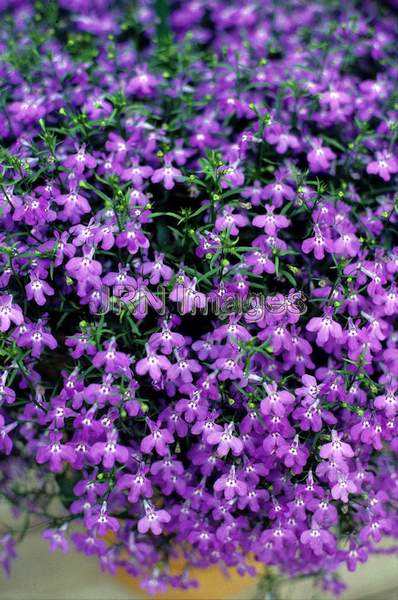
163	31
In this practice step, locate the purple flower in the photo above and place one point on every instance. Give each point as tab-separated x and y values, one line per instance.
185	293
336	449
276	402
157	270
100	520
5	440
55	453
138	484
56	539
38	289
318	244
342	488
36	336
80	161
318	539
384	165
112	360
226	440
85	270
109	452
153	520
9	312
153	364
270	222
320	156
132	238
325	328
158	438
183	369
168	174
293	454
279	136
388	402
230	220
230	485
166	340
143	83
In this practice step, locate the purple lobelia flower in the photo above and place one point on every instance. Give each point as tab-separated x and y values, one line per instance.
159	438
153	520
153	364
85	270
80	161
37	289
247	406
5	440
320	156
166	340
9	312
318	540
384	166
56	539
225	440
336	449
325	328
55	452
109	452
276	402
231	485
138	484
167	174
100	520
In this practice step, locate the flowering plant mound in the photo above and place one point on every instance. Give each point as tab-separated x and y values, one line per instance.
198	299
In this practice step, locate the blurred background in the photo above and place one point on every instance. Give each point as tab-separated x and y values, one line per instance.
40	575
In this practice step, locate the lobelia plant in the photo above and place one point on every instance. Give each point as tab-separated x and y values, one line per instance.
198	297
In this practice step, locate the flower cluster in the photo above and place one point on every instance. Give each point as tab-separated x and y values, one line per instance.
220	149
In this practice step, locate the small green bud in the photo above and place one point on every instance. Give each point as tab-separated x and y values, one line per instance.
100	476
225	262
83	324
123	413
